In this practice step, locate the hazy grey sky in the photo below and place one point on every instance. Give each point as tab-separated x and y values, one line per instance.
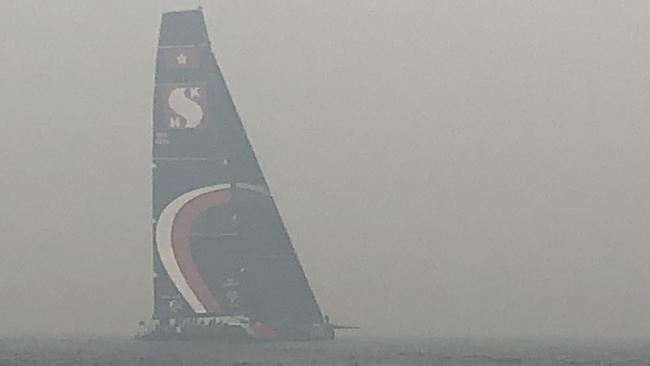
444	167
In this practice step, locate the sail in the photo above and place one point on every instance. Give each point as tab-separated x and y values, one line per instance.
220	245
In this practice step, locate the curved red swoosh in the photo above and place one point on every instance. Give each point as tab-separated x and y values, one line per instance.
181	244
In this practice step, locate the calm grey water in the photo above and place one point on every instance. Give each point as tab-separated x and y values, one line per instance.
345	352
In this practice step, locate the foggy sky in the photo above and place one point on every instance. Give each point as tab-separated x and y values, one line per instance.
444	168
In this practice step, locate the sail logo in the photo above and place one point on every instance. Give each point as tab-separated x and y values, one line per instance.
185	106
188	113
173	236
181	57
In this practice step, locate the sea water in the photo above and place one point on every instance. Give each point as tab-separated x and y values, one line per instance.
345	351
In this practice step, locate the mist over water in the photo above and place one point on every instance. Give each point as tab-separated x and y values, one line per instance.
443	168
346	352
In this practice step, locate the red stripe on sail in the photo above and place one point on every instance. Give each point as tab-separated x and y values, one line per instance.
181	244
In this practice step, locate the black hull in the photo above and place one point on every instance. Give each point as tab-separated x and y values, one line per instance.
216	334
230	334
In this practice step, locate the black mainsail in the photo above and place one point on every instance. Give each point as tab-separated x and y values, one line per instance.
221	250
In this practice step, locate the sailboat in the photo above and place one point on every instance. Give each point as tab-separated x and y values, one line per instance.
224	265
